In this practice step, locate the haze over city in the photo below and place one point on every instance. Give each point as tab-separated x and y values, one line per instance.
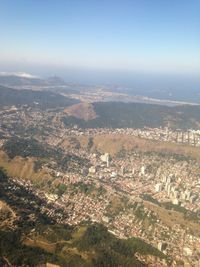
110	41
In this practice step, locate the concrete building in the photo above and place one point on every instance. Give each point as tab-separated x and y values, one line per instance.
106	158
158	187
122	171
143	169
92	170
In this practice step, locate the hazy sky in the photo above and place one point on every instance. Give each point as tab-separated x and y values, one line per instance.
142	35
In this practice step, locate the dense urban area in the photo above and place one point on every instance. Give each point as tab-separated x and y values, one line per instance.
108	176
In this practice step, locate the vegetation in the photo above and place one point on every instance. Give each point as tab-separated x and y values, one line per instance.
112	251
190	215
41	99
61	189
12	249
26	148
85	188
38	165
3	175
73	163
29	147
30	243
150	198
137	115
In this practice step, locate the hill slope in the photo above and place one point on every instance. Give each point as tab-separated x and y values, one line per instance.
136	115
42	99
32	238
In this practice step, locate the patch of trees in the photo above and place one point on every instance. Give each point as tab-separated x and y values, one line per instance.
38	165
85	188
73	163
150	199
3	175
26	148
60	190
98	237
11	248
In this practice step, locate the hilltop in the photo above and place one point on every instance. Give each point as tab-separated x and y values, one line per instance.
17	79
83	111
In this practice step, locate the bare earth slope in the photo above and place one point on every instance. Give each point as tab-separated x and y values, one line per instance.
83	111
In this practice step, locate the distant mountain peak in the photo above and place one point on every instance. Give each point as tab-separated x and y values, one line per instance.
19	74
56	80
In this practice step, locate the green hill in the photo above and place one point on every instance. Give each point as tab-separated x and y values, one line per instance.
137	115
41	99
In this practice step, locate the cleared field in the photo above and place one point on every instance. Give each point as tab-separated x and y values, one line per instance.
114	143
171	218
49	247
22	168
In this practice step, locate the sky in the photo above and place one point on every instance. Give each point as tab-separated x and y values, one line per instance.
150	36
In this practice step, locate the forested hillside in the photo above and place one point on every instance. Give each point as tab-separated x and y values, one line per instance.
42	99
125	115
